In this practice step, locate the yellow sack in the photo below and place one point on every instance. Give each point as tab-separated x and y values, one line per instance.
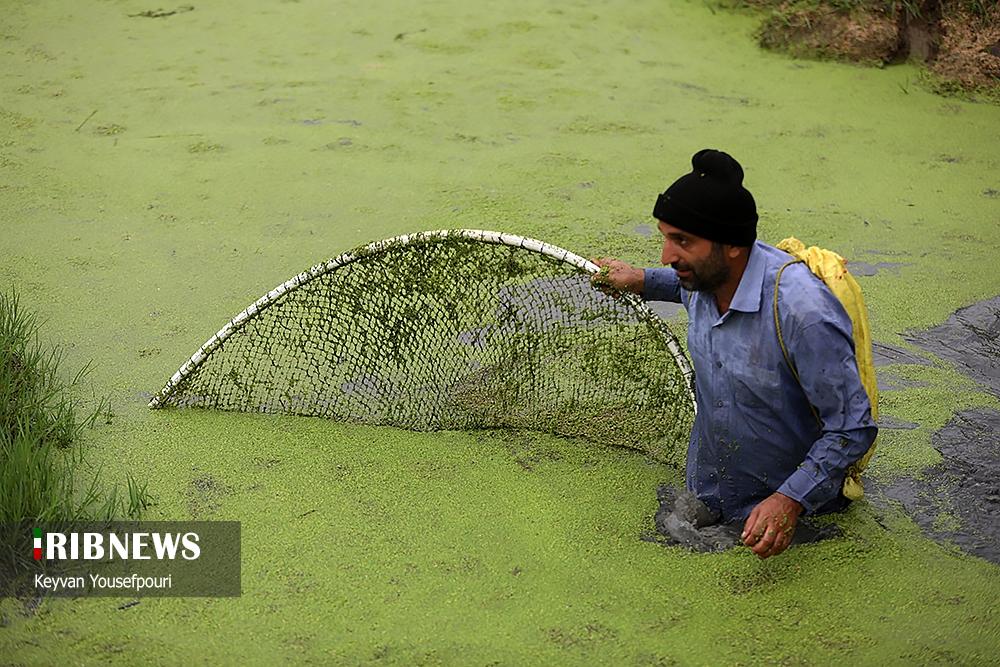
832	270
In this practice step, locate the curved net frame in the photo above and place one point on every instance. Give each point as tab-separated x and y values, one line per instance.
456	329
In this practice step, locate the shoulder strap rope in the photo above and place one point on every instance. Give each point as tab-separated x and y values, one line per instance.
781	340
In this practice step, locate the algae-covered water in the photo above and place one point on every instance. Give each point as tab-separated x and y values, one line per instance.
159	174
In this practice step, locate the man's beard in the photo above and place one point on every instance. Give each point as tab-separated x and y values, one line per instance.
708	275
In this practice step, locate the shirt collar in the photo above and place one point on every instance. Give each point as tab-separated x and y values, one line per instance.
747	296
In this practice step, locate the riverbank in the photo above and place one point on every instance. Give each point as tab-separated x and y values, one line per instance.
957	42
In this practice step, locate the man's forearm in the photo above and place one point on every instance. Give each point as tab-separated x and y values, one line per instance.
819	478
660	285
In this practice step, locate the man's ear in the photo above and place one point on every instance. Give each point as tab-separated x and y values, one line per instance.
734	251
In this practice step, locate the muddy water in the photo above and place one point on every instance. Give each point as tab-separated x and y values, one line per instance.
160	173
970	339
958	500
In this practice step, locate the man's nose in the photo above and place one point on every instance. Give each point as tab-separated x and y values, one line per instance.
669	254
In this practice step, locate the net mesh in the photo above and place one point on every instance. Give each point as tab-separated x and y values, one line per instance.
448	332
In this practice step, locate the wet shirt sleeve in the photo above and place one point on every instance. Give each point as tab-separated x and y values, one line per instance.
823	353
661	285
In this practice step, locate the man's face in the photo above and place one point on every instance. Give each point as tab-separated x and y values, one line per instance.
700	264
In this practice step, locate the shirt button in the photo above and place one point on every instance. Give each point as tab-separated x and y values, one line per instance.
718	364
719	404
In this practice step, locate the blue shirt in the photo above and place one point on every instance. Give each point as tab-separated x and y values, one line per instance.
754	432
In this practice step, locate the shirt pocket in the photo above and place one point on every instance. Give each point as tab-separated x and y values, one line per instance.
759	388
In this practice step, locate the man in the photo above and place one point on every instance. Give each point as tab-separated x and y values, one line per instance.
758	452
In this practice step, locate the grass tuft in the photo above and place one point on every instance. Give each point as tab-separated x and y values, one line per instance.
41	418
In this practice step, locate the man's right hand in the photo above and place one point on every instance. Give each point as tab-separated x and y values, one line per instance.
617	275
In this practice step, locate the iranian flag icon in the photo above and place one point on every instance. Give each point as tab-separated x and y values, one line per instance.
38	544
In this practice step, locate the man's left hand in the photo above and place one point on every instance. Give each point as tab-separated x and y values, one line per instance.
769	528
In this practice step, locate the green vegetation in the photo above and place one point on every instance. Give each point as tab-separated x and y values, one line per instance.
41	419
376	545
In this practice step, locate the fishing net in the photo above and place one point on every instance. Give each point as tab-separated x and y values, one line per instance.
456	329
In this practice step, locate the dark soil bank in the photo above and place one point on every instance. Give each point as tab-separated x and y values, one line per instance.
959	499
970	339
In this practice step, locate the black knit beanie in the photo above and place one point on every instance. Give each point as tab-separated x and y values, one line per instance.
711	201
